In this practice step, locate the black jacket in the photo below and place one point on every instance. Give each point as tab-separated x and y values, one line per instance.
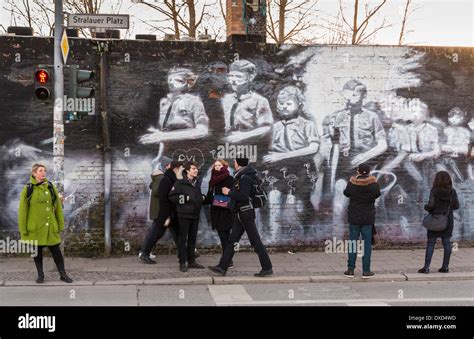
242	188
438	204
221	218
167	208
362	192
187	197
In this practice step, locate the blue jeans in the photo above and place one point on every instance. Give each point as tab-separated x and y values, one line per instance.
430	246
354	233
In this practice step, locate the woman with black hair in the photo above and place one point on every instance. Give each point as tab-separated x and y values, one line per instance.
443	199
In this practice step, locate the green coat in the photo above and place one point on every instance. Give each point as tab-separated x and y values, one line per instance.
154	196
38	219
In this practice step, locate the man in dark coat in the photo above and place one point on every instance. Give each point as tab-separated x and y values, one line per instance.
186	194
162	211
362	191
244	219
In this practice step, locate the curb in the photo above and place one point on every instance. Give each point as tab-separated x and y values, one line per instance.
242	280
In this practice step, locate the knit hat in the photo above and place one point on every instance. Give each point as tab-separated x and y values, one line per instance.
363	169
165	161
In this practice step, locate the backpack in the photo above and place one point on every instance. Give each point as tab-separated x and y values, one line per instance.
29	191
258	196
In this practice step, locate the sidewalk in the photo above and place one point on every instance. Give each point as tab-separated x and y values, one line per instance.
389	265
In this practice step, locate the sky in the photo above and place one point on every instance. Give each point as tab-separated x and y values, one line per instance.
435	23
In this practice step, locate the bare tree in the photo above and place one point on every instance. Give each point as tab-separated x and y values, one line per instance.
406	14
359	26
291	20
37	14
185	16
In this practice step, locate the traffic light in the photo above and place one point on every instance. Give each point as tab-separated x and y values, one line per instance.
43	83
80	99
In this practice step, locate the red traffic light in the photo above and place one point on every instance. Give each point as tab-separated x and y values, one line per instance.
42	76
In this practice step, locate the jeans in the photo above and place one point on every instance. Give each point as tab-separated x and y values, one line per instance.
354	233
245	222
430	246
155	233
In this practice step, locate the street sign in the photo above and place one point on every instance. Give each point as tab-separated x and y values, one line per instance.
64	46
109	21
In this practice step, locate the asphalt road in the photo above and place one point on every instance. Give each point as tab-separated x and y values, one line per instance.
402	293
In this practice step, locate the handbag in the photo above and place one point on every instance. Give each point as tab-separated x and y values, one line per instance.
437	222
222	201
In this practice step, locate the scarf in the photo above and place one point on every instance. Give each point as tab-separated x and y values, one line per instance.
218	176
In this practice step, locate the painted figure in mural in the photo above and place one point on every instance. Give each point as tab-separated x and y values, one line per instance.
443	198
186	194
221	215
357	136
41	220
244	220
471	151
458	140
162	211
362	191
181	114
295	137
247	114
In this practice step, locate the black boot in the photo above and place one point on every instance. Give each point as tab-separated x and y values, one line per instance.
40	279
64	277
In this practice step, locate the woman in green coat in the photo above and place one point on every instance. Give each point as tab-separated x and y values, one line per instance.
41	219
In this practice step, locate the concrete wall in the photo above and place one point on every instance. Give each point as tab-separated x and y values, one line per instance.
401	128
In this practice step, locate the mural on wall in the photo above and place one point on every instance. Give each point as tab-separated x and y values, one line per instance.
313	115
305	116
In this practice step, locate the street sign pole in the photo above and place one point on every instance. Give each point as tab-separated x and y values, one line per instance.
58	123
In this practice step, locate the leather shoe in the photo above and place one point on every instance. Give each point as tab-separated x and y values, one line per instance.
40	279
217	270
146	259
264	273
183	267
195	265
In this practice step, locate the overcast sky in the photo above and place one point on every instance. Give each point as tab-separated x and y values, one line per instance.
436	23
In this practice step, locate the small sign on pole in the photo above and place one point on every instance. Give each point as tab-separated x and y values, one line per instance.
64	46
106	21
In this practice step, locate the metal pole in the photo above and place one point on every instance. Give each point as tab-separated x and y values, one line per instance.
58	123
103	48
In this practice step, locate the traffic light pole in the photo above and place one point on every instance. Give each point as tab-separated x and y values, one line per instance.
58	122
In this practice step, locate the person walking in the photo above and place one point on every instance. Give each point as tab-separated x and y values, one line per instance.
443	199
221	215
41	219
244	219
162	211
362	191
186	194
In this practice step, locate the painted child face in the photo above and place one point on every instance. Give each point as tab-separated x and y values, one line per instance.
456	119
176	82
420	114
238	79
287	107
353	97
218	166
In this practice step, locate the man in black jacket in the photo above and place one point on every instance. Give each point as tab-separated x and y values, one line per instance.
186	194
244	220
162	210
362	191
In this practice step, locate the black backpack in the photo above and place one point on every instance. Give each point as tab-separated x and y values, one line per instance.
29	191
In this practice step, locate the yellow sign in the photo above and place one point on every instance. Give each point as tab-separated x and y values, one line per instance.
64	46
